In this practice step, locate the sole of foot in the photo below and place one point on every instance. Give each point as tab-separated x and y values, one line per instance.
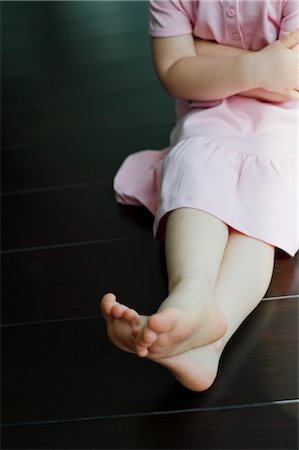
173	331
197	368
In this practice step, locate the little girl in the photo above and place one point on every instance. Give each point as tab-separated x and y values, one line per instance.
224	192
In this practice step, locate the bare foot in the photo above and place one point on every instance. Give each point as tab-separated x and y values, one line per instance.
123	325
197	368
187	319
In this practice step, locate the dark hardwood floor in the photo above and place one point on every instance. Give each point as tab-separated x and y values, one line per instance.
79	94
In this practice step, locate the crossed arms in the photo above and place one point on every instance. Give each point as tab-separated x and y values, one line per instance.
195	69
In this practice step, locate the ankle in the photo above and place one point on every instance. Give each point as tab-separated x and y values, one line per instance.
194	282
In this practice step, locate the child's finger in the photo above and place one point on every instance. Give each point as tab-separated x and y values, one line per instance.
291	39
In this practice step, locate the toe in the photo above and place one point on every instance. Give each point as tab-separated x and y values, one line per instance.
118	310
109	297
130	315
135	331
162	322
141	351
149	337
107	303
146	338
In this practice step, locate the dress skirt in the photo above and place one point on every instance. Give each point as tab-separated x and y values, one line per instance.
236	159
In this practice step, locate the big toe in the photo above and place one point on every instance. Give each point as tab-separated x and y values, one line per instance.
118	310
147	338
163	321
107	303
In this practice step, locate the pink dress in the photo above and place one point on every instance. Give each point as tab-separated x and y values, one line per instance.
234	158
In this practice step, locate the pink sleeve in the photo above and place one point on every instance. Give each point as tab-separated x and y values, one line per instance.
169	18
290	20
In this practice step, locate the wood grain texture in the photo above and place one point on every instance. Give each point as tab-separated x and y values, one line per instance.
74	83
67	282
76	214
269	427
94	159
64	283
69	369
285	280
79	94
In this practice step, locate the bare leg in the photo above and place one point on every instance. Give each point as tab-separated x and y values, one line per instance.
243	279
189	316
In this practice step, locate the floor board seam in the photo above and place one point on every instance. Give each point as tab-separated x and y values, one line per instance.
70	244
54	188
155	413
97	316
44	322
281	297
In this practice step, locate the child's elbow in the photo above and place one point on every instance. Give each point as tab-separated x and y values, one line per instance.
170	88
170	81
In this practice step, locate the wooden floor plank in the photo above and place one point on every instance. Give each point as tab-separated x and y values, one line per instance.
269	427
62	163
85	86
80	94
94	18
76	214
285	280
77	74
69	369
46	36
70	118
68	283
62	283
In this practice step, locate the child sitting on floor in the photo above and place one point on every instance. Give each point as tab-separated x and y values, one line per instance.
224	192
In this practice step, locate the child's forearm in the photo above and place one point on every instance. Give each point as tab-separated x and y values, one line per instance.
205	48
219	79
212	48
186	75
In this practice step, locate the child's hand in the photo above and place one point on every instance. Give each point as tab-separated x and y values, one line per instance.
276	66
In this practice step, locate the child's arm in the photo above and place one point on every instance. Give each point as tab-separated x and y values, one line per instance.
183	74
186	75
212	48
